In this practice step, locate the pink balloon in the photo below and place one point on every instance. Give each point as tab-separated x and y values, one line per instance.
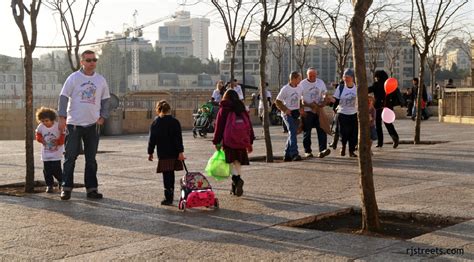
388	116
390	85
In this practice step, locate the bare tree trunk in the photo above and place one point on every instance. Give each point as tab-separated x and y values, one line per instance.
433	79
263	97
29	130
370	214
341	63
280	65
267	27
425	26
232	61
18	10
419	98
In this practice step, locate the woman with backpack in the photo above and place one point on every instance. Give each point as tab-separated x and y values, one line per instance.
234	134
346	106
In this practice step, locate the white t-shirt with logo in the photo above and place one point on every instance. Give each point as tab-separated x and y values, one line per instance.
347	100
290	96
50	151
85	94
313	92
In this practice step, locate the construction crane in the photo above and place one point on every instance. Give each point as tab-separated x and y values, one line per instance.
135	32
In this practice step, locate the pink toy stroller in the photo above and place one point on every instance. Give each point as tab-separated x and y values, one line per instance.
196	191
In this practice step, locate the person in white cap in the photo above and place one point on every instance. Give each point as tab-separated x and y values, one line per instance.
347	110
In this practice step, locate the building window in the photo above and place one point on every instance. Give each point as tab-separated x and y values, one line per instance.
2	86
2	78
12	78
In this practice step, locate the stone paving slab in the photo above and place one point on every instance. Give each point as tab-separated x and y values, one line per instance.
130	225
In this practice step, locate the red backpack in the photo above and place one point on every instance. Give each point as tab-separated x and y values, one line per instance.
237	131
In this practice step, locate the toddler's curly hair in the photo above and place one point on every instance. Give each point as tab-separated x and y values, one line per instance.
45	113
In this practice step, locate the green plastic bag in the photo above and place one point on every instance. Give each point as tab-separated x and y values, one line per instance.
217	167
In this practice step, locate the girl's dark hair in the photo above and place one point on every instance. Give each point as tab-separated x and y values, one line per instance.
381	75
163	107
45	113
237	105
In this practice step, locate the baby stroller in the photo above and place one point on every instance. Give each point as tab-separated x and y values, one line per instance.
196	191
204	120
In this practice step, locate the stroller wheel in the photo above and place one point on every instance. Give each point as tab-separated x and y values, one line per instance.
202	134
216	203
194	133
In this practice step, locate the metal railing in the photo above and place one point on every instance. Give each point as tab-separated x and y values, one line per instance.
19	103
177	101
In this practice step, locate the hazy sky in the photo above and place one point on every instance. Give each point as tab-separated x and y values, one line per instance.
110	15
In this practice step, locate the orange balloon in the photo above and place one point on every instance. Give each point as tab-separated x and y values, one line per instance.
390	85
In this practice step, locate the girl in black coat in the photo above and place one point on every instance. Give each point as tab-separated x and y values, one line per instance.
166	137
381	101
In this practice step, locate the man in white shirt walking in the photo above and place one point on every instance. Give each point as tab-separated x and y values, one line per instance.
288	102
314	92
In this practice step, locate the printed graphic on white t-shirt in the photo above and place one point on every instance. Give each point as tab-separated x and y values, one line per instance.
88	93
290	96
50	151
313	92
347	100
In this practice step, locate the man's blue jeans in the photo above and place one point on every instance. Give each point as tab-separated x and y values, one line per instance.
291	148
90	136
311	120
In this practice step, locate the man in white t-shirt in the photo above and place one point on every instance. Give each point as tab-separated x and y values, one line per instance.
83	107
288	102
314	94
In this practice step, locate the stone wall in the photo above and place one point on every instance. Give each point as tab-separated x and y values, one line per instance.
137	122
12	124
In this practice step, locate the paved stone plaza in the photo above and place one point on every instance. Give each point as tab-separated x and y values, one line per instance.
129	223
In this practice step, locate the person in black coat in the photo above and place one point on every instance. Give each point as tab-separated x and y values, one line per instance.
381	101
424	100
165	135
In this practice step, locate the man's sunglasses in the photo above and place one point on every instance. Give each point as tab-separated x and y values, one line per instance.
88	60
